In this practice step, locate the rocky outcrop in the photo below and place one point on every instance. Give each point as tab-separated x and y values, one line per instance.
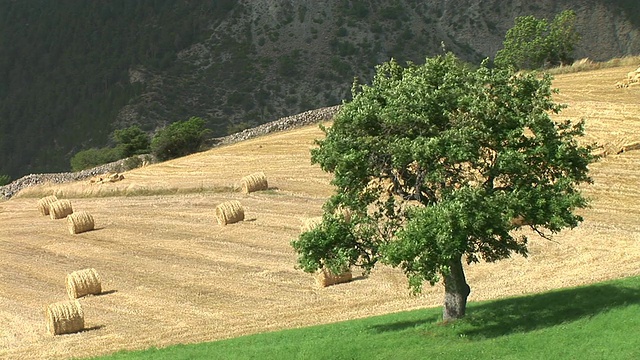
286	123
12	188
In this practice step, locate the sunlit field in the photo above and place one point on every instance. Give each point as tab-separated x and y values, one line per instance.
171	274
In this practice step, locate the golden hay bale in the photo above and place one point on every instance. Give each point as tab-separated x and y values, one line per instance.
83	282
60	209
80	222
229	212
64	317
310	223
345	212
45	202
326	278
254	182
629	147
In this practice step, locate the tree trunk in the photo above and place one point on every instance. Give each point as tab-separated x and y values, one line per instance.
456	291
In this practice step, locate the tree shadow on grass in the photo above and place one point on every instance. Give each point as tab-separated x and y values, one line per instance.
404	325
524	314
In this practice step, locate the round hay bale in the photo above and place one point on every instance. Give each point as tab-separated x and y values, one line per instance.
326	278
64	317
80	222
345	213
310	223
229	212
45	202
60	209
83	282
254	182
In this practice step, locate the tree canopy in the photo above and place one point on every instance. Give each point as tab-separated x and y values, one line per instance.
439	164
533	43
179	139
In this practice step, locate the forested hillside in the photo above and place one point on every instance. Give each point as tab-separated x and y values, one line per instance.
72	72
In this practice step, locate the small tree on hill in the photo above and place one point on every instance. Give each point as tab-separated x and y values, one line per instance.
439	165
534	43
179	139
87	159
4	179
131	141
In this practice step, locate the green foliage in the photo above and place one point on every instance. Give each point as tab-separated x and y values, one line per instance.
131	141
435	161
4	179
179	139
534	43
93	157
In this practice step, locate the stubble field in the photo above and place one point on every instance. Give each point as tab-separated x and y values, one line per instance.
171	274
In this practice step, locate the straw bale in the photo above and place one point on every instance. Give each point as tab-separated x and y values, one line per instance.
83	282
64	317
310	223
45	203
60	209
345	212
254	182
325	277
229	212
519	221
629	147
80	222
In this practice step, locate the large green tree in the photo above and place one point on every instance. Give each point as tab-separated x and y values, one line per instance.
439	165
533	43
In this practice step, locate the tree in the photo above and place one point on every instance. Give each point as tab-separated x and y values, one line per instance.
179	139
438	164
4	179
533	43
90	158
131	141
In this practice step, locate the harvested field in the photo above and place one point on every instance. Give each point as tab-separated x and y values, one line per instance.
171	274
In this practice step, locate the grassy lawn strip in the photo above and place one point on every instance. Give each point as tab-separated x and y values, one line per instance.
600	321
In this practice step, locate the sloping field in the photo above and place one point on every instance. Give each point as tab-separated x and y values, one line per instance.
172	275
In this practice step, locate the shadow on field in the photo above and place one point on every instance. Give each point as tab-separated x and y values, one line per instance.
404	325
523	314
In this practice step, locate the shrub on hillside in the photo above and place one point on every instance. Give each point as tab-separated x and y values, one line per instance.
87	159
132	141
179	139
4	180
535	43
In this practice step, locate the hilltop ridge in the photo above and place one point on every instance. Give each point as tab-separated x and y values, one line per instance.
71	74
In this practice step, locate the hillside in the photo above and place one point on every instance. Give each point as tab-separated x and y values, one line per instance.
72	72
172	275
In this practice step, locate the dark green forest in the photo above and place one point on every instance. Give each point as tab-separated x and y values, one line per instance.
72	72
64	70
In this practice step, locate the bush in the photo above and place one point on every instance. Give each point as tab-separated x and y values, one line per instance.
4	180
131	141
179	139
90	158
535	43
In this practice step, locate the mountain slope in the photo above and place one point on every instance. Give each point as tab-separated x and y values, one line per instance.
72	72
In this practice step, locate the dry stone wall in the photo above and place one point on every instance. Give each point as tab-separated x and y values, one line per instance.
287	123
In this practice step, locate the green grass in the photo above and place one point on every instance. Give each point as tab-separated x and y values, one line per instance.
600	321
